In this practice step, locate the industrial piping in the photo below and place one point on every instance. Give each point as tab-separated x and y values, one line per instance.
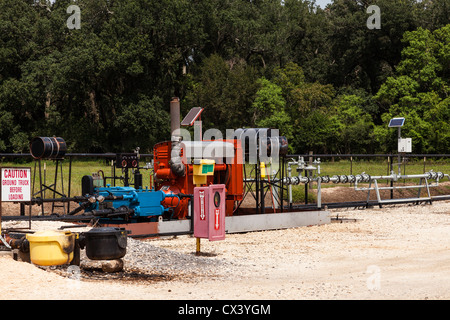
176	163
360	178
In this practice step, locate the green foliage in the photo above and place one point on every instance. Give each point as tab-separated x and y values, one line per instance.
269	108
226	91
355	131
419	91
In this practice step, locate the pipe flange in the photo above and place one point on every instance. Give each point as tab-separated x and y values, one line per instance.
325	179
440	175
335	179
305	180
365	177
343	178
351	178
295	180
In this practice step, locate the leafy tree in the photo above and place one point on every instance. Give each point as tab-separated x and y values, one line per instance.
226	91
308	105
107	86
269	108
364	58
420	92
355	132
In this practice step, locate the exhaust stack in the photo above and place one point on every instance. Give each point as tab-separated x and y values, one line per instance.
176	164
175	117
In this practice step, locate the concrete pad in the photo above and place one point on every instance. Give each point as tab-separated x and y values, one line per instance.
259	222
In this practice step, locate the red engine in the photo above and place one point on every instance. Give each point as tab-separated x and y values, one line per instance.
228	172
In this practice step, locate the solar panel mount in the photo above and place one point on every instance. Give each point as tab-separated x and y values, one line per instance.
396	122
192	116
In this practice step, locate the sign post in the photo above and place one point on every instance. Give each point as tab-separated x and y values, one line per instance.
15	186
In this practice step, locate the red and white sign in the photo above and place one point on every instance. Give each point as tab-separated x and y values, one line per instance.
201	195
201	200
16	184
209	212
216	219
217	200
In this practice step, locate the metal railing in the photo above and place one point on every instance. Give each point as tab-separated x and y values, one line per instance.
393	162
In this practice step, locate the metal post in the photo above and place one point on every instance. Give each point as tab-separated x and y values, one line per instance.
368	194
263	198
257	186
45	179
351	167
40	184
70	182
392	181
378	193
197	250
282	182
319	194
424	163
289	169
420	188
404	167
399	155
308	174
306	189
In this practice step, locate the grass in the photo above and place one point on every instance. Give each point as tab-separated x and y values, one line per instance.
379	167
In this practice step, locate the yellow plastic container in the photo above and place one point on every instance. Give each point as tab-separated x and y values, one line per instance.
201	170
204	167
262	166
51	248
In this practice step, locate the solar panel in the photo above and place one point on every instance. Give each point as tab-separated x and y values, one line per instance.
396	122
191	116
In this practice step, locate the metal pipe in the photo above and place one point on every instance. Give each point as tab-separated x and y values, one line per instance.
175	116
398	187
428	175
289	169
363	177
176	163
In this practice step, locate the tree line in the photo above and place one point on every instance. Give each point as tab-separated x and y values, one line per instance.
321	76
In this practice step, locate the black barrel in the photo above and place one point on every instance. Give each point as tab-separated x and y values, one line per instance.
48	148
106	243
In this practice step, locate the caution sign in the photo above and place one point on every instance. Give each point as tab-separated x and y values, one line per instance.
16	185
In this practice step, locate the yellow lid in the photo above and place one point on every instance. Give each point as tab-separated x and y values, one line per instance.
48	235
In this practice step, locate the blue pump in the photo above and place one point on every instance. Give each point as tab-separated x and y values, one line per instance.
127	202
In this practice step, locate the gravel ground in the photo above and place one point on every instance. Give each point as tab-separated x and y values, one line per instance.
397	252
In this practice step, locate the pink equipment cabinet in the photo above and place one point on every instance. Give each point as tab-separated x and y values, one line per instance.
209	212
